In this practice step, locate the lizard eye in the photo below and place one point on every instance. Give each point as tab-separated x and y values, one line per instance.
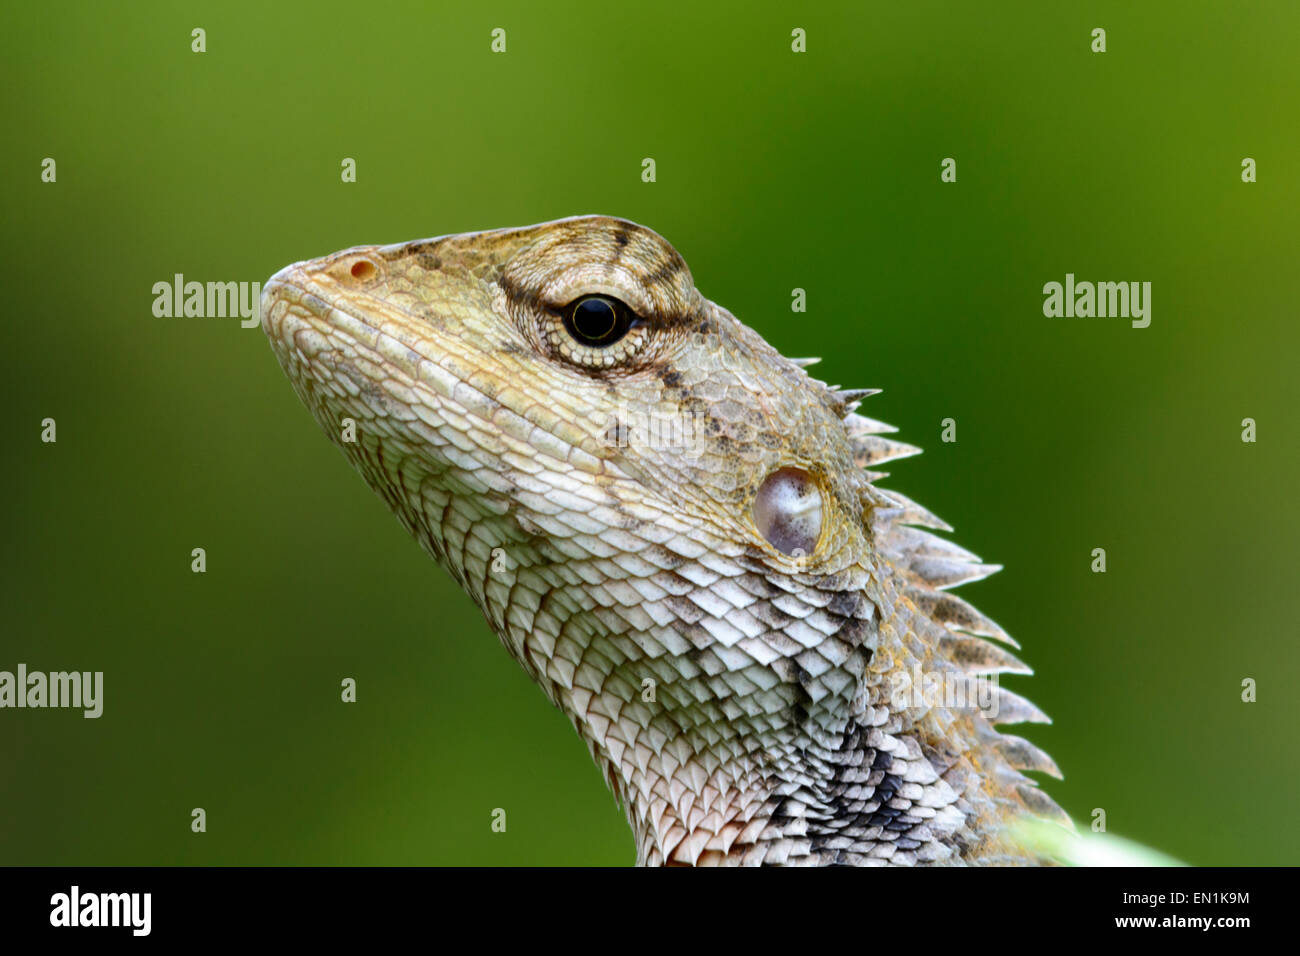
597	320
596	332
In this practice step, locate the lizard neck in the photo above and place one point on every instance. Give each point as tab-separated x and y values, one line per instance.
740	716
722	747
743	718
715	768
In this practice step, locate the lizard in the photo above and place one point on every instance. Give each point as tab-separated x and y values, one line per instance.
678	533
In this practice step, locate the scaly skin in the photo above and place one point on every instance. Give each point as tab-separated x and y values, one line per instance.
598	504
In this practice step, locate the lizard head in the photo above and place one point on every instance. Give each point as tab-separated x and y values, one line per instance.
574	359
666	522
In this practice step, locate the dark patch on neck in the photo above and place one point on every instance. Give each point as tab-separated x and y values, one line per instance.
857	632
661	557
845	603
772	616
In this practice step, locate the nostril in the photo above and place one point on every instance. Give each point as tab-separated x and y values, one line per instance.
363	269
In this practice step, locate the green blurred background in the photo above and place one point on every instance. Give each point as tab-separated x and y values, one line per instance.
775	171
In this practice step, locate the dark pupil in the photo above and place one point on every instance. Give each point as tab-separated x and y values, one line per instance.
595	321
